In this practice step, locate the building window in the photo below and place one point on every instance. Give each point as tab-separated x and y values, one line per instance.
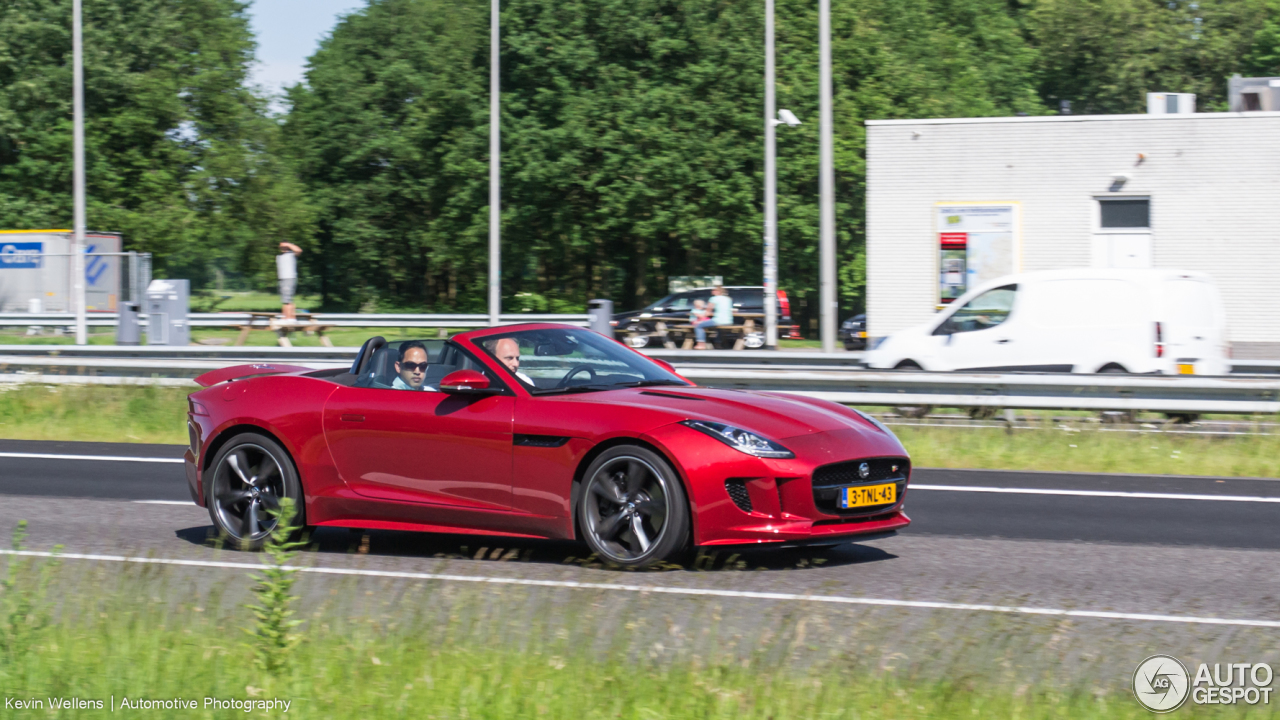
1124	213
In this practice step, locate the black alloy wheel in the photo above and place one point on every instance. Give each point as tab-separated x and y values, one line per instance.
632	510
251	473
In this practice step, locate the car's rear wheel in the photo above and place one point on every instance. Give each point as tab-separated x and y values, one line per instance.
633	511
250	475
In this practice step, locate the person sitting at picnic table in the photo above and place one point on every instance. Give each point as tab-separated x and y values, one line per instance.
698	312
721	314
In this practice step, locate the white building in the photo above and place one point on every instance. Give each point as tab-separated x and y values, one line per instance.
955	202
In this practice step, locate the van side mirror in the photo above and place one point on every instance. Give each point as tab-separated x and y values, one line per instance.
467	382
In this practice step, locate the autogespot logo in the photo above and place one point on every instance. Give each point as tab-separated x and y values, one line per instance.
1160	683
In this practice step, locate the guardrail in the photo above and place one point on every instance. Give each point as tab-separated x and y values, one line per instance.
1172	394
231	319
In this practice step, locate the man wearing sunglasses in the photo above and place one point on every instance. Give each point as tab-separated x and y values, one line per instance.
411	370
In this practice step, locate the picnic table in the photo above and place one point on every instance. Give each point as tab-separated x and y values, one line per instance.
283	327
744	326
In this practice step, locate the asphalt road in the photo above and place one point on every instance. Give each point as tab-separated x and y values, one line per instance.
1011	514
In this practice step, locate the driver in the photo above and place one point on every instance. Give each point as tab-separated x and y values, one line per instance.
507	350
411	369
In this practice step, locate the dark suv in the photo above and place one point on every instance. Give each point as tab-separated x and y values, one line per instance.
853	333
674	309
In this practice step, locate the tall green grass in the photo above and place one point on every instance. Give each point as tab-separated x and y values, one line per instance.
142	414
148	635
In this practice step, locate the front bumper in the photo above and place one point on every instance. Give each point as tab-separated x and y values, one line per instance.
783	509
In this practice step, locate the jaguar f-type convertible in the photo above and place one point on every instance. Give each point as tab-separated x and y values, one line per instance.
537	431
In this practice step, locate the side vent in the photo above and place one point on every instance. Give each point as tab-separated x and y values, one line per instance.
738	493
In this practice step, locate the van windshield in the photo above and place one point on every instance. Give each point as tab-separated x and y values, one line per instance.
985	311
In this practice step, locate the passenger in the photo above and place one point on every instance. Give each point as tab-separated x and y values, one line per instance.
411	369
721	314
507	350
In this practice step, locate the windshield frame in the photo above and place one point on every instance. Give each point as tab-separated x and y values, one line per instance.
648	372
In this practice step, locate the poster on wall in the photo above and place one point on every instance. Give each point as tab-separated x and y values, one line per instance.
977	242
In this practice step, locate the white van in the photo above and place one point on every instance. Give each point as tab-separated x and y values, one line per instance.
1084	321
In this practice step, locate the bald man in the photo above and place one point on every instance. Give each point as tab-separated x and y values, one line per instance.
507	350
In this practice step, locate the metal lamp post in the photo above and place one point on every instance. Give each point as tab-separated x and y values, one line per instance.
771	124
495	196
770	189
827	246
77	242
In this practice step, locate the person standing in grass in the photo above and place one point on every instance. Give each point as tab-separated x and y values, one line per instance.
721	314
287	274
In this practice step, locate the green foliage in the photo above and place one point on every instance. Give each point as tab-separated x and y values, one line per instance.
1263	59
180	154
273	634
1105	55
632	139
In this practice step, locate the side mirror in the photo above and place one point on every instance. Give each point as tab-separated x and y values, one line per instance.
466	382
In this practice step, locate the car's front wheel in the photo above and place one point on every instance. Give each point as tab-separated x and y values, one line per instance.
633	511
249	476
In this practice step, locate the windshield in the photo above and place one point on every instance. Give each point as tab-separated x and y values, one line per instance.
573	360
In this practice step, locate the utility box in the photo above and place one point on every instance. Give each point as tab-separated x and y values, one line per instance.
128	329
600	316
1171	103
166	309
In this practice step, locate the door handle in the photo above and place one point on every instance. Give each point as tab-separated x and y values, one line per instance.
352	418
1002	341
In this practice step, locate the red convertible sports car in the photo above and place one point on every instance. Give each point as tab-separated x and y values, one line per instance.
537	431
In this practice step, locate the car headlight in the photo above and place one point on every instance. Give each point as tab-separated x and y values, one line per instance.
875	422
740	440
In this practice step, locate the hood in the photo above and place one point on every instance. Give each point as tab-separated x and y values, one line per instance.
777	416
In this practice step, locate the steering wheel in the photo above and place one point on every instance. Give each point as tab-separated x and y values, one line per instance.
564	382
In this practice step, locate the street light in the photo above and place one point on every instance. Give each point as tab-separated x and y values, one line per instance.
787	117
77	201
495	196
827	181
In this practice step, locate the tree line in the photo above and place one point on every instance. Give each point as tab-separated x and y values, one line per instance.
632	131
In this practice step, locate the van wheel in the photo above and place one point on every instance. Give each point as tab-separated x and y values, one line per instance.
1117	417
985	412
912	411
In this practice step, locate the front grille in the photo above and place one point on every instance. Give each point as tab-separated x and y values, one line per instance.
738	493
829	479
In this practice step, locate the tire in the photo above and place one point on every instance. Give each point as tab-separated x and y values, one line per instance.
638	341
1117	417
912	411
633	511
249	475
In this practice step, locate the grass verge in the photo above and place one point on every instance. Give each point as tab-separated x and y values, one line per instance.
144	635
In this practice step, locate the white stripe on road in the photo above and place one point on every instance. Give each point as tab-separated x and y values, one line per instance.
165	502
661	590
113	458
1096	493
914	486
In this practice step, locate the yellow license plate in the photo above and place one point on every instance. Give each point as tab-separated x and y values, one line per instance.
1186	369
862	335
856	497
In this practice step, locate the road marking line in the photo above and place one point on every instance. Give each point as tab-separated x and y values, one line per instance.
661	590
164	502
1097	493
115	458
